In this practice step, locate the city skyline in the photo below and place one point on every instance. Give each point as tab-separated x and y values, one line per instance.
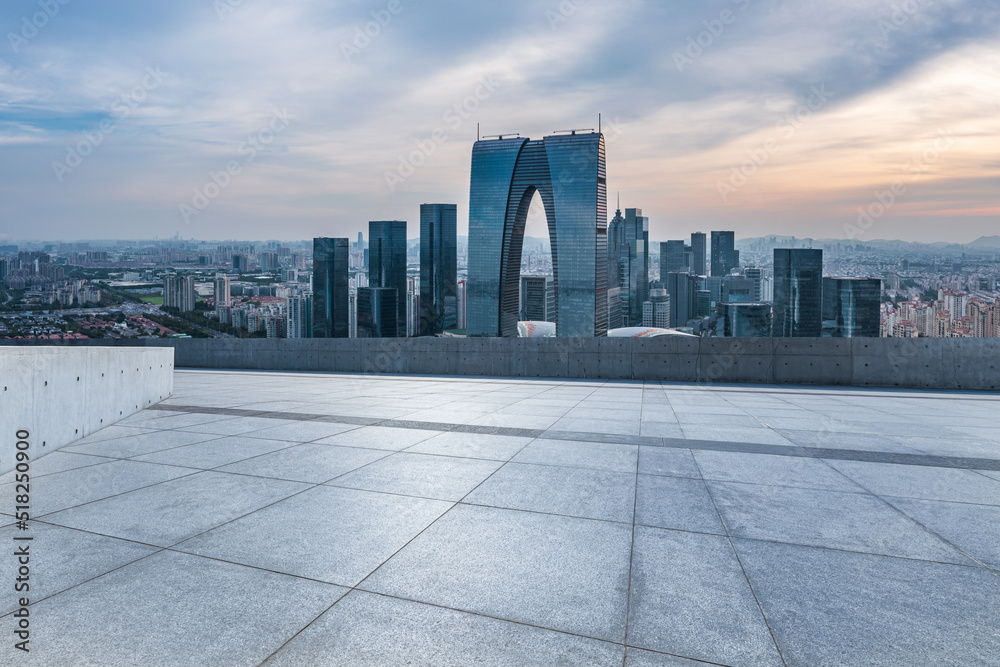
214	135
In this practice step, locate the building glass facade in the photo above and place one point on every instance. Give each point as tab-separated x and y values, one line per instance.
672	258
438	268
568	172
378	313
798	293
723	253
331	283
698	254
851	307
745	320
387	267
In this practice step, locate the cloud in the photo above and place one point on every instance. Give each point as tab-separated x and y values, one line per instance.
556	65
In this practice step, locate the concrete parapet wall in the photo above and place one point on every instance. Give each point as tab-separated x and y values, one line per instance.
926	363
58	395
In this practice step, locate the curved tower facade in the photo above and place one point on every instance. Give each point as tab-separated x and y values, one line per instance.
568	171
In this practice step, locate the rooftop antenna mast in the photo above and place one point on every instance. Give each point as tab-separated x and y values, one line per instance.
598	123
477	132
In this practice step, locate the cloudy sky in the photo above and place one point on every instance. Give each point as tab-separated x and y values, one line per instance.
282	119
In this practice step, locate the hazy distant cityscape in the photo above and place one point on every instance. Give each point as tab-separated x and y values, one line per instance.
172	287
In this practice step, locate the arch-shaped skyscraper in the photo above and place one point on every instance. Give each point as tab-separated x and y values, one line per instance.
568	171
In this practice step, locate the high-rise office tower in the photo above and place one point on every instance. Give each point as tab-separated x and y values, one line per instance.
567	171
387	268
682	288
361	241
352	313
614	308
221	293
723	253
851	307
656	311
438	268
698	254
538	299
331	282
378	313
736	289
299	316
241	264
672	258
616	255
412	306
756	276
798	293
745	320
637	244
461	303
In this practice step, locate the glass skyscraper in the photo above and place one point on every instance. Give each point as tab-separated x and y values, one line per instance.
683	290
698	254
438	268
745	320
637	244
798	292
672	258
387	267
568	172
724	258
852	307
331	282
378	314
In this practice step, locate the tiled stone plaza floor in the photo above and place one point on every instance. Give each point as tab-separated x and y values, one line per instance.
296	519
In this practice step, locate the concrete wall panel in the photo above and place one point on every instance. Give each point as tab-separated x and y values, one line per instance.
62	394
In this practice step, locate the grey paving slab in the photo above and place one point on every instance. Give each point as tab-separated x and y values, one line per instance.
472	445
637	657
167	513
113	432
574	453
660	429
369	629
832	519
513	421
840	440
172	609
236	426
380	437
991	475
554	572
582	492
305	431
58	491
836	608
690	598
597	425
701	419
890	479
975	529
677	503
165	420
770	469
60	558
145	443
424	475
310	463
214	453
330	534
759	435
960	446
54	462
667	461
